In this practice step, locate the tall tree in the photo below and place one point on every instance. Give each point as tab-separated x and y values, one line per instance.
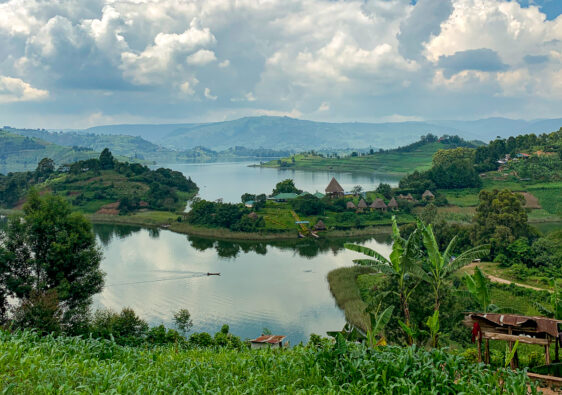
107	161
51	248
500	219
404	263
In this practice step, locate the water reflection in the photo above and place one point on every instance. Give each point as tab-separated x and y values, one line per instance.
279	285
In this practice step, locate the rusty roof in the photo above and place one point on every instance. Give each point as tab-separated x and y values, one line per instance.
542	324
271	339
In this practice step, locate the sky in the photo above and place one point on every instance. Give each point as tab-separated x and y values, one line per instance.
81	63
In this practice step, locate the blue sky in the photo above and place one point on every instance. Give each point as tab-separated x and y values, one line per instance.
74	64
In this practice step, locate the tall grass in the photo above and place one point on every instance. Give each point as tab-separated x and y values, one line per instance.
30	364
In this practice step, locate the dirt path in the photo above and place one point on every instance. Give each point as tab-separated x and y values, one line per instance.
500	280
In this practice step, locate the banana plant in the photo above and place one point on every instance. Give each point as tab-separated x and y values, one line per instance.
439	265
433	325
375	336
404	263
555	300
478	288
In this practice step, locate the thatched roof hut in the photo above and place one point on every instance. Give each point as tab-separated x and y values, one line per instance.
378	204
334	188
351	205
428	195
393	204
362	204
320	225
253	215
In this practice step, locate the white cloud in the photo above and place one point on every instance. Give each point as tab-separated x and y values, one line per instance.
150	65
209	95
360	59
15	90
201	57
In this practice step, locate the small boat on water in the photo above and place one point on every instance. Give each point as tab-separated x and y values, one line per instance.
213	274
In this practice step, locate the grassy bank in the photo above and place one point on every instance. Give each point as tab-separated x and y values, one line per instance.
344	288
35	365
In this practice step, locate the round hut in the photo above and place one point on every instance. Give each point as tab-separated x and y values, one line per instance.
379	204
320	225
427	195
351	205
362	205
334	189
393	204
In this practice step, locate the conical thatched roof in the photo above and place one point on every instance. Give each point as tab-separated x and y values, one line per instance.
378	203
428	195
334	187
253	215
351	205
393	203
320	225
362	204
410	197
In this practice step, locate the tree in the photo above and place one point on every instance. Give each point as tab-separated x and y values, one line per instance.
45	168
385	190
286	186
357	189
403	264
107	162
51	248
438	266
500	219
182	319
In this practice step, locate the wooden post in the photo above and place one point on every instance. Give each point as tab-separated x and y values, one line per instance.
512	362
480	347
556	341
487	353
547	352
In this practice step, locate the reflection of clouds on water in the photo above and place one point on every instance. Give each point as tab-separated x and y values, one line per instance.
282	290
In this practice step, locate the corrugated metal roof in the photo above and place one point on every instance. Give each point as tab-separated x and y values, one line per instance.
271	339
542	324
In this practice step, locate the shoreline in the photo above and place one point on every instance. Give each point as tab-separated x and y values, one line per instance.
171	224
335	170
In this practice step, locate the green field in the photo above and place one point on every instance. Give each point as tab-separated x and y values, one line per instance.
392	163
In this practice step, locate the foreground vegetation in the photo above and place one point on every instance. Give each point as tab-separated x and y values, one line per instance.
42	365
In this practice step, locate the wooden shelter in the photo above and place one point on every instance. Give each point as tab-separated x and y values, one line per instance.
362	205
351	205
427	195
393	204
334	189
378	204
253	215
320	225
539	331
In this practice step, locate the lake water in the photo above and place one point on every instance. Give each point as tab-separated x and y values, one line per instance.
230	180
281	286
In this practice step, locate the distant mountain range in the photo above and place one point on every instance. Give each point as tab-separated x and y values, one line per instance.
283	133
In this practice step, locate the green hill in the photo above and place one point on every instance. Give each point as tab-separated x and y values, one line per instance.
399	161
20	153
104	186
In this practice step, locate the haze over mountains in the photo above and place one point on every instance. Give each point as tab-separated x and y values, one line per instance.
296	134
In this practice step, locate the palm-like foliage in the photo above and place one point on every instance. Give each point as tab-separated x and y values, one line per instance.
404	263
478	288
441	265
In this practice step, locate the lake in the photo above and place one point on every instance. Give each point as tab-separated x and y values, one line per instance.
230	180
281	286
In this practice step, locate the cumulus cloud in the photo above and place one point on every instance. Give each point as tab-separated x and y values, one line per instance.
333	60
15	90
